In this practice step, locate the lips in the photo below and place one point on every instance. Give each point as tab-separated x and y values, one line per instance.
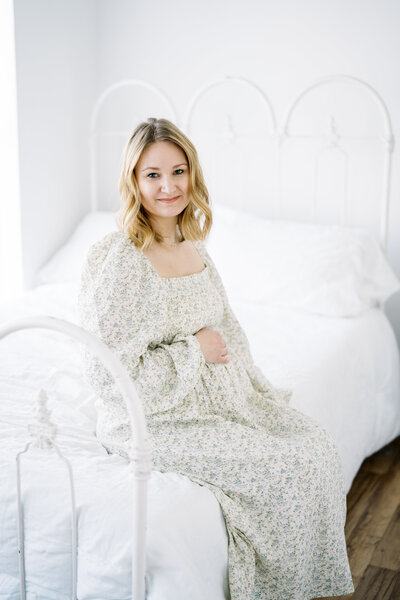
168	200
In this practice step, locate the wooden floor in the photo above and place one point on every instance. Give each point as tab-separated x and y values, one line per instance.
373	527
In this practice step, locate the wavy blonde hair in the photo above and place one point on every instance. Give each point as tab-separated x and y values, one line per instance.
132	217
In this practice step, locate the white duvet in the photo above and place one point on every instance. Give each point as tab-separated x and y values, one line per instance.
344	373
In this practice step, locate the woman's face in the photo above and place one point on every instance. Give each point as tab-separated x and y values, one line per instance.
162	173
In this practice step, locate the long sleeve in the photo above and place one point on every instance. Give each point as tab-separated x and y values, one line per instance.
121	307
238	342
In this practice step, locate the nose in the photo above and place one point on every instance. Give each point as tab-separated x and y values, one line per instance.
167	184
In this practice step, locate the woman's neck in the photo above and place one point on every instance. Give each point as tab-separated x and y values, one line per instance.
169	232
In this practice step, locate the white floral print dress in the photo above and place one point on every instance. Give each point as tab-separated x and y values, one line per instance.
275	472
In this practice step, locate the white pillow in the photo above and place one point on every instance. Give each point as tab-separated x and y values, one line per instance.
322	269
66	264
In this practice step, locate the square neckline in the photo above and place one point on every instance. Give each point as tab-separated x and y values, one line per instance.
177	276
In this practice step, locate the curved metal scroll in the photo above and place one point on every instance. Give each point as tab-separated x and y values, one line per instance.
387	139
228	79
139	452
105	95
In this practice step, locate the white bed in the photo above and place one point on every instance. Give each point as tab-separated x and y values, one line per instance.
336	351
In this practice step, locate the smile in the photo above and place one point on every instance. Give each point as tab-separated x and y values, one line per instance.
168	200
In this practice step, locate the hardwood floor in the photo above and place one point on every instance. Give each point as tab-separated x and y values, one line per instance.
373	527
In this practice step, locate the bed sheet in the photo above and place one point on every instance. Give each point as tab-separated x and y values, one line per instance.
344	373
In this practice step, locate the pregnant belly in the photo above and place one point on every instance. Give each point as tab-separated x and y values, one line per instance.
226	389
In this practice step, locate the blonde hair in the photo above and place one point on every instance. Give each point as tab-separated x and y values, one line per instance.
131	217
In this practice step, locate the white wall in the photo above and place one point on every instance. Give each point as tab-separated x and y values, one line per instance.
55	83
10	231
69	51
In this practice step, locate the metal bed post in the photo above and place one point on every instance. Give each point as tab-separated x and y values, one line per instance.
45	431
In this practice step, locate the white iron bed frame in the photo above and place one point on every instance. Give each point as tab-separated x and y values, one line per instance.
44	431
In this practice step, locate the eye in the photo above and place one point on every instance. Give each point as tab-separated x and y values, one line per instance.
177	171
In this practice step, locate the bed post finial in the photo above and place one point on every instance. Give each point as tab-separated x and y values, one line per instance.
43	429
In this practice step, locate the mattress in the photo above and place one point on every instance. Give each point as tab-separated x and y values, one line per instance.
344	374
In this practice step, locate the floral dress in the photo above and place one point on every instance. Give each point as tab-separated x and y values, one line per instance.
275	472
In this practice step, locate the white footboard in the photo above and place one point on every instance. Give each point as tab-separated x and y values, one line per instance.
44	432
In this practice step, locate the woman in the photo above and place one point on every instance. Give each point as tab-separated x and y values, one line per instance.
153	294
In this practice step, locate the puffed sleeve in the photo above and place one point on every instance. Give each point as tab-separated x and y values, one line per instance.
237	341
119	305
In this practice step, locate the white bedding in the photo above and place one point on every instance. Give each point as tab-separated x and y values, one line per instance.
187	544
344	373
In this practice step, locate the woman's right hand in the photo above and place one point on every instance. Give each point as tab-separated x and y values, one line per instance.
212	345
